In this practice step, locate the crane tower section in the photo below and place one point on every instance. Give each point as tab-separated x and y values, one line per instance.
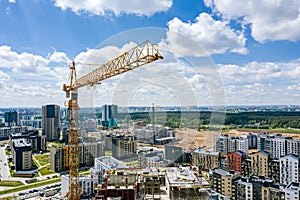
138	56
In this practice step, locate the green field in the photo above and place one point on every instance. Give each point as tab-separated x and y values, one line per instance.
29	186
46	170
43	159
10	183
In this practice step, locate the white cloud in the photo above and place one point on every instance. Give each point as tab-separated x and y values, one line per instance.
270	19
3	76
104	8
26	78
214	36
253	71
12	1
294	87
59	57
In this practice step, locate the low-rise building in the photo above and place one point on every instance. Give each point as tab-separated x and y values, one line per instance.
103	164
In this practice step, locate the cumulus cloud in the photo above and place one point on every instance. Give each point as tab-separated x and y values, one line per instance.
31	77
115	7
253	71
294	87
270	20
215	37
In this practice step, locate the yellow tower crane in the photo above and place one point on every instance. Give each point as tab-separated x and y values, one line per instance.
140	55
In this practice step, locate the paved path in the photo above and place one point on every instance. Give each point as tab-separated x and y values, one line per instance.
4	169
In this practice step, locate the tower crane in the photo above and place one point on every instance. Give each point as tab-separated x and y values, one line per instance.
138	56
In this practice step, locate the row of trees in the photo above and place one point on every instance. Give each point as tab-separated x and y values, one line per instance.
203	119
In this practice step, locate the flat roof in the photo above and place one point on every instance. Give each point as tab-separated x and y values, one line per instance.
21	142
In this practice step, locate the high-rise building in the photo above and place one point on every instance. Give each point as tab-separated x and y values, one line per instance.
124	146
109	115
12	118
21	154
51	122
293	147
289	169
87	153
234	161
259	163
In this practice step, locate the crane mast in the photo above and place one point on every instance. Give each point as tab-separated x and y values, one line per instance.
138	56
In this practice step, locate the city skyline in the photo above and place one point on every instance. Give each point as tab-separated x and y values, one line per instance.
254	51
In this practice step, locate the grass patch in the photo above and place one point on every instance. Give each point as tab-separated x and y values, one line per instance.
7	152
29	186
275	130
10	183
43	159
8	198
46	170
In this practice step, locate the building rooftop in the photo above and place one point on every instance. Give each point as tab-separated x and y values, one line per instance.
21	142
110	162
184	177
224	172
201	151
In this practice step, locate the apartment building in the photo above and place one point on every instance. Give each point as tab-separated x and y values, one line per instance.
292	191
223	181
103	164
225	144
205	160
21	154
182	182
87	153
289	169
124	147
259	163
234	161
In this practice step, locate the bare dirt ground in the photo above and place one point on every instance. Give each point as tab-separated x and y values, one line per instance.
190	139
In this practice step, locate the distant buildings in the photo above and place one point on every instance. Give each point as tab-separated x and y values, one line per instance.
12	118
109	115
51	122
153	134
225	143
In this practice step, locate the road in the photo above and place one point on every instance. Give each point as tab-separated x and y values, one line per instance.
26	192
4	169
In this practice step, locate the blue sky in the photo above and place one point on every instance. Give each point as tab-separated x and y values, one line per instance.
255	50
